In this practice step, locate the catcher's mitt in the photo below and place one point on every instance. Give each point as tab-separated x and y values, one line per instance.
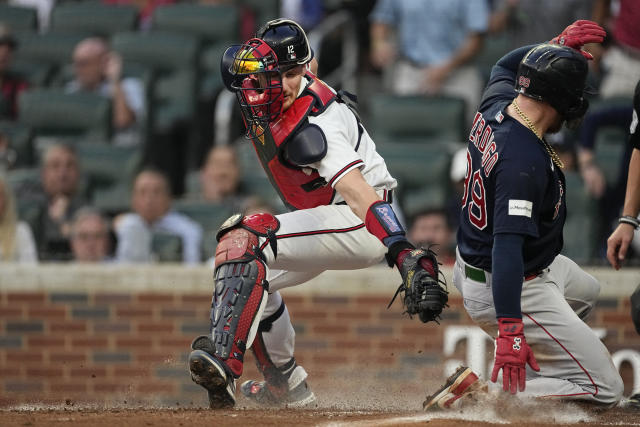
424	294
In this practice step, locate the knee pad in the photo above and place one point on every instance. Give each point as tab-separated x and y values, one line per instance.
238	237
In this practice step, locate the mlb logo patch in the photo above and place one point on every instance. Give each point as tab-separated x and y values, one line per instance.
499	117
524	81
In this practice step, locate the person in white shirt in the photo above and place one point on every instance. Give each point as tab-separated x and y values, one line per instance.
16	240
151	204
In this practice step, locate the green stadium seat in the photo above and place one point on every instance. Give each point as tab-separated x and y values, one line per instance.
216	26
208	22
93	18
417	118
19	18
52	49
494	48
173	59
209	215
36	73
51	112
20	141
422	171
609	150
166	247
582	226
110	171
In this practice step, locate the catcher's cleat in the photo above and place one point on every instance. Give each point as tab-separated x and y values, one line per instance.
210	373
463	382
296	394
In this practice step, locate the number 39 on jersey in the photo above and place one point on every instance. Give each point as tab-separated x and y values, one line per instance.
474	195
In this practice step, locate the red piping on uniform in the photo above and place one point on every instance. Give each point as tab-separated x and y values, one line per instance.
310	233
341	171
569	353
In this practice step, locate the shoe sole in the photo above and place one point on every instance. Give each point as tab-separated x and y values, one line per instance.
206	372
462	382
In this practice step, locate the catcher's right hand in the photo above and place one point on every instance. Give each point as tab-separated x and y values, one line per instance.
424	294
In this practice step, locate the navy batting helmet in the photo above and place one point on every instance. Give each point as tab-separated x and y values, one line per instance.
555	74
288	40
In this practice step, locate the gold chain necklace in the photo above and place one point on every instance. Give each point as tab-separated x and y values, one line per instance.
552	153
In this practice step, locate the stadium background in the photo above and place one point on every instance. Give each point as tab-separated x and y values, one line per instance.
71	333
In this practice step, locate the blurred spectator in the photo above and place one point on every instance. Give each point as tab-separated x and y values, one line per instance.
146	8
10	84
436	40
220	177
531	21
56	198
618	115
431	228
621	61
43	8
307	13
99	70
151	204
89	236
16	239
7	154
457	173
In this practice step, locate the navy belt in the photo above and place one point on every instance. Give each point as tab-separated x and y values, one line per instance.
478	274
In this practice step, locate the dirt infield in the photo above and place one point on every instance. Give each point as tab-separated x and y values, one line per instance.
523	415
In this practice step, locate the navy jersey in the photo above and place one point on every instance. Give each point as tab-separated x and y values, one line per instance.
511	184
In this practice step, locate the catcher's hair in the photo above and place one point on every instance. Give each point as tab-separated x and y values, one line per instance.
8	222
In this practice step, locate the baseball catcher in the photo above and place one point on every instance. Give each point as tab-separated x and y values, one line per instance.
321	160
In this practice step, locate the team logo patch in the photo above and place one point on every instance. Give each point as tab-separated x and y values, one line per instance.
516	343
520	208
524	81
387	216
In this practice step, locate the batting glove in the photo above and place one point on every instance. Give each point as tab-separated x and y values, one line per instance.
580	33
512	355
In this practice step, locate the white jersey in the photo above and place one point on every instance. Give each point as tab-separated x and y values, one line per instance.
349	146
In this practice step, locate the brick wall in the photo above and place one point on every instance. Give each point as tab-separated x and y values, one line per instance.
109	335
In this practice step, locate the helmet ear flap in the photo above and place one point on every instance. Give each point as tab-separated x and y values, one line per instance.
226	64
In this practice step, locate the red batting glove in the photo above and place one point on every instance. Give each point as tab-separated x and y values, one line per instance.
580	33
512	355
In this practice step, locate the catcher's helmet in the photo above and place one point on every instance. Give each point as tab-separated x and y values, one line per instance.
288	40
251	71
555	74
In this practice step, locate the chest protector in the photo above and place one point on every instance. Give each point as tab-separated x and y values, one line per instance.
299	188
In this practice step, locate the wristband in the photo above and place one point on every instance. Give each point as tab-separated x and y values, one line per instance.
628	219
382	222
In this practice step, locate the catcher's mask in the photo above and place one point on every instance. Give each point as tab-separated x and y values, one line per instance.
555	74
251	71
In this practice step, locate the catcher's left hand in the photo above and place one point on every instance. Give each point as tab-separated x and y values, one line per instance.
424	294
